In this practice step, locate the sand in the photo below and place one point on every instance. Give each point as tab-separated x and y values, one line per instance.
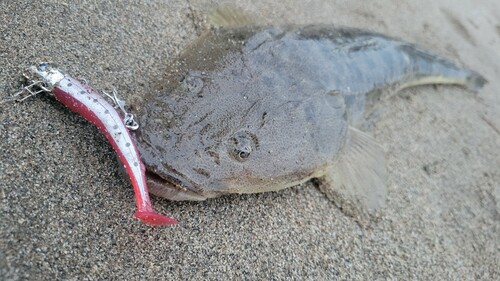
67	211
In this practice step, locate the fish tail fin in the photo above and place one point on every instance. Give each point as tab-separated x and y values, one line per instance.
356	183
428	68
475	81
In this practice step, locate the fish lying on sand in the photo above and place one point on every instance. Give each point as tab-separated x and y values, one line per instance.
250	109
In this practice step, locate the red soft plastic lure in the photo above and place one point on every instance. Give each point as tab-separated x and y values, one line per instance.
93	107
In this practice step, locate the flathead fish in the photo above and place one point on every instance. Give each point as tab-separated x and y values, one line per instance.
254	109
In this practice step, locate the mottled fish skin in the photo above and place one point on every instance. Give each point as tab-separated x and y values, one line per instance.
257	109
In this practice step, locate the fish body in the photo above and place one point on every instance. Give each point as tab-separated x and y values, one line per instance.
256	109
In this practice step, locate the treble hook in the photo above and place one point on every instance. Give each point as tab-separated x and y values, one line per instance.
128	119
36	87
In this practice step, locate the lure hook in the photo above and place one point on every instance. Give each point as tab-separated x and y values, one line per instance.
128	120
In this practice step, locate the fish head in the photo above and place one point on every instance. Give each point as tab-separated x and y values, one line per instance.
239	123
212	143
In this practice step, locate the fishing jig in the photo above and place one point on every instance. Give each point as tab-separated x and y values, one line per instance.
84	100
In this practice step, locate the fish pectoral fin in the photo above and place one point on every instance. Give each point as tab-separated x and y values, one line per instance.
356	183
231	17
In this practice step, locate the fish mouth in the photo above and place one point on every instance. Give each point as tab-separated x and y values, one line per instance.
172	189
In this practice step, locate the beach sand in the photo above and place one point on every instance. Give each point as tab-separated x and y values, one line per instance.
67	212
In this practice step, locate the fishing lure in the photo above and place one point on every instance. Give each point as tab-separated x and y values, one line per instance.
87	102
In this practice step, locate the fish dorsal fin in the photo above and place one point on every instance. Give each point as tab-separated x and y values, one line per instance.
231	17
356	182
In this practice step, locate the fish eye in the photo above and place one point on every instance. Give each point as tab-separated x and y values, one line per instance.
240	151
192	83
243	154
241	145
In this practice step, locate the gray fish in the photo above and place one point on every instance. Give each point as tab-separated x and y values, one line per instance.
254	109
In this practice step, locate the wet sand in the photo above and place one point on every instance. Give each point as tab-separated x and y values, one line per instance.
67	213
